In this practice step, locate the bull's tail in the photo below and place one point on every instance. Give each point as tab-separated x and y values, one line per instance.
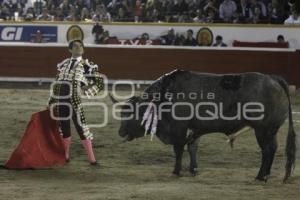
290	149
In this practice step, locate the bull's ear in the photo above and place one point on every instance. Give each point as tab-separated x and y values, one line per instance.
113	99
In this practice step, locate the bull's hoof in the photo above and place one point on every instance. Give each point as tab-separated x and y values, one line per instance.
287	180
176	173
194	171
262	178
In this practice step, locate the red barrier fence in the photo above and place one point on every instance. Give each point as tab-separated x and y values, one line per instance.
237	43
149	63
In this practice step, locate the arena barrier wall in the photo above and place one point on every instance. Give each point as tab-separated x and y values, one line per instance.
20	31
150	62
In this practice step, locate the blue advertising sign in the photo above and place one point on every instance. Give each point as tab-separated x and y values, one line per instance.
27	33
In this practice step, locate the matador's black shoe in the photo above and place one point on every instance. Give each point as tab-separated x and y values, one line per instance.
95	163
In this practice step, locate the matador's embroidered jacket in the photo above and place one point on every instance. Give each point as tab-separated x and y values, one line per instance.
83	77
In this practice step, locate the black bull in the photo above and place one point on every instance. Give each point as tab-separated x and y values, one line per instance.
224	100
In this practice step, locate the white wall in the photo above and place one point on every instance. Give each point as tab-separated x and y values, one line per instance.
229	33
251	33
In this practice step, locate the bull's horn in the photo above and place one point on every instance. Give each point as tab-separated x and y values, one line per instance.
112	98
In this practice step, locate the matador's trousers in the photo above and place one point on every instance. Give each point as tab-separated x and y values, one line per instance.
66	110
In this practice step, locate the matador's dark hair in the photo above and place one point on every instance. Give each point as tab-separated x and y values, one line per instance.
72	43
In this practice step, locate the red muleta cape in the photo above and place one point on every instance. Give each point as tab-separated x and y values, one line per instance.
41	145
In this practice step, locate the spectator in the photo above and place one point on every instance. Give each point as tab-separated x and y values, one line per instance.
152	15
120	16
73	15
211	16
200	3
191	4
184	18
95	3
104	38
113	6
85	14
255	4
150	4
59	15
236	18
5	13
244	11
145	36
258	17
30	14
180	6
142	39
26	4
52	10
143	18
138	10
38	6
280	39
211	5
179	40
210	11
38	38
283	43
226	10
107	39
87	3
200	17
101	14
97	31
275	12
219	42
168	39
294	18
79	5
127	8
65	7
45	15
166	10
190	40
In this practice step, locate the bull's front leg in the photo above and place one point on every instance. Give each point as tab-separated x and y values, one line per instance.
178	150
192	148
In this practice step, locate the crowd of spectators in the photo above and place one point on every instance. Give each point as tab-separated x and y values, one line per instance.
207	11
171	38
